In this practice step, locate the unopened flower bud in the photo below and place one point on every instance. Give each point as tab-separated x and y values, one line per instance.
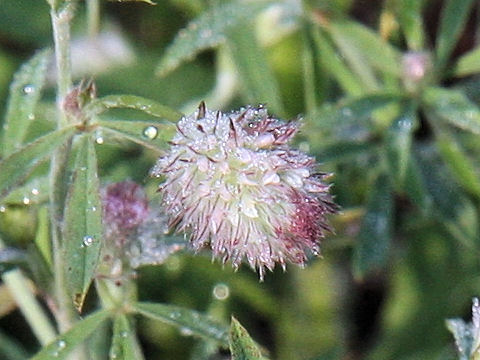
415	66
235	185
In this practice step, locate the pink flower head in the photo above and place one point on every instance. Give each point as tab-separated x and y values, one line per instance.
125	207
234	184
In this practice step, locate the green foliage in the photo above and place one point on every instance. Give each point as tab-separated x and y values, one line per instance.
242	345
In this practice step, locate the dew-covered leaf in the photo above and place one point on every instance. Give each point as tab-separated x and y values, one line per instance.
18	165
34	191
399	140
355	39
411	22
468	64
207	31
125	345
454	107
453	19
242	346
82	230
458	162
188	320
65	343
151	134
373	246
25	92
354	112
148	106
259	84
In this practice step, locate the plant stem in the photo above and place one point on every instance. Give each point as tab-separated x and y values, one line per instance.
61	17
93	17
18	286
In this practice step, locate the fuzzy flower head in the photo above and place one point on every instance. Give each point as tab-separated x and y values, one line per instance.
233	183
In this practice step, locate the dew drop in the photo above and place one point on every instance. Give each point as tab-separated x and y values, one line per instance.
28	89
61	344
2	209
124	334
99	140
186	331
31	117
26	200
221	291
174	315
88	240
150	132
35	191
93	208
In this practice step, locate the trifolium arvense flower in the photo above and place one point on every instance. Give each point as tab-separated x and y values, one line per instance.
233	183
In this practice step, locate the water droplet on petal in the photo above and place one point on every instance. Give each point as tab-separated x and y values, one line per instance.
150	132
221	291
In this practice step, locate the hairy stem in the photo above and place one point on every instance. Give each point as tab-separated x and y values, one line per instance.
93	17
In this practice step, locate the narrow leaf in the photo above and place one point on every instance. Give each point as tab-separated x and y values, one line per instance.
25	92
399	140
83	222
148	106
332	63
372	249
125	345
411	22
458	162
242	346
353	112
34	191
453	19
190	320
207	31
16	167
151	134
344	151
468	64
415	187
66	343
376	51
259	84
354	55
454	107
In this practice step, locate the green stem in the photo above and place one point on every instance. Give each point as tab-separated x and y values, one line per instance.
93	17
18	286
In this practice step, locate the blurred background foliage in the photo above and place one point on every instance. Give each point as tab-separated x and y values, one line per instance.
389	92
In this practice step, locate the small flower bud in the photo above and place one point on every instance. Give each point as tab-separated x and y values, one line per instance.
234	184
415	66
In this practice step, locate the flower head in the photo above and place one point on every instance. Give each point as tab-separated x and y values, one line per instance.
233	182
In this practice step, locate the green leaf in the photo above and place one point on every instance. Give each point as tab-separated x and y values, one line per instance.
372	249
151	134
34	191
411	22
354	112
416	188
191	320
332	63
25	92
207	31
355	39
124	342
453	19
82	230
468	64
399	140
454	107
450	205
343	151
148	106
17	166
354	55
458	162
65	343
242	346
259	84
